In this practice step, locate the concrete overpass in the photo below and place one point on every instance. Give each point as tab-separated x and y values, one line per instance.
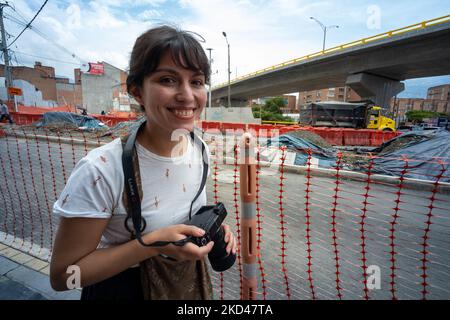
373	66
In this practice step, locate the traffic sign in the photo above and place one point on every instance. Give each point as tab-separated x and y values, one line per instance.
13	91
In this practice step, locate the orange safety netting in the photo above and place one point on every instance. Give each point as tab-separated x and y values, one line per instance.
321	233
40	110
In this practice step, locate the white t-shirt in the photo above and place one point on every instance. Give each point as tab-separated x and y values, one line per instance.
96	184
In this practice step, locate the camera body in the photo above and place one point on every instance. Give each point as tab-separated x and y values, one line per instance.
210	219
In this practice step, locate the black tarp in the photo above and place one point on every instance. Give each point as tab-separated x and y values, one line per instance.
300	143
427	152
80	121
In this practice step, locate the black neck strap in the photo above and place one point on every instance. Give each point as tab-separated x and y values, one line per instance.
131	188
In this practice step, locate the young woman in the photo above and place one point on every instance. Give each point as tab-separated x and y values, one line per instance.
167	76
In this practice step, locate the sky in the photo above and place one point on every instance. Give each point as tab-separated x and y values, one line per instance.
261	33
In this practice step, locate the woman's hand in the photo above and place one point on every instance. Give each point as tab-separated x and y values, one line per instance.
229	239
189	251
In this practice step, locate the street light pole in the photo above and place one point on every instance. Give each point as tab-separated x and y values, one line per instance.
4	49
210	67
229	72
324	28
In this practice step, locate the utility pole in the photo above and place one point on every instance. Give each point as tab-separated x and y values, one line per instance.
4	48
229	71
209	92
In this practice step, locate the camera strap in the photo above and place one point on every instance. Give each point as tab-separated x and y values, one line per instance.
132	191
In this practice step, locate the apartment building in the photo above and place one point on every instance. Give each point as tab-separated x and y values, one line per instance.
329	94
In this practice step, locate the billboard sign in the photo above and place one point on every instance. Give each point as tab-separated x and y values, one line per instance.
96	68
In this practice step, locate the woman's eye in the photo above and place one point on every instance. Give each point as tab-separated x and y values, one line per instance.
198	83
167	80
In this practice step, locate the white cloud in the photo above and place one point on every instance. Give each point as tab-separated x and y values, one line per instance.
95	34
256	31
261	33
130	3
150	14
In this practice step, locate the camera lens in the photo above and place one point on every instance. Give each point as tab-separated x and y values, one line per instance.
218	257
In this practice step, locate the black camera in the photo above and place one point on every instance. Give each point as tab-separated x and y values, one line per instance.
210	219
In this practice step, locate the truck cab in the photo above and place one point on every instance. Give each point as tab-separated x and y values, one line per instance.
377	121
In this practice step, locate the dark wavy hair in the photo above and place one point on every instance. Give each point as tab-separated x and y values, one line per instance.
185	49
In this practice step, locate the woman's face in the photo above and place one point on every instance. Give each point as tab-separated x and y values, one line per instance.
173	97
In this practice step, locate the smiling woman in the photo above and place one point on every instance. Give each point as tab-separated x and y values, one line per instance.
172	97
168	72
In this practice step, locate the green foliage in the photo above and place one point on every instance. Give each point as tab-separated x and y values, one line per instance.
274	105
418	115
256	110
271	110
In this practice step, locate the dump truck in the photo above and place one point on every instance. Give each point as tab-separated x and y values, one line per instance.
343	114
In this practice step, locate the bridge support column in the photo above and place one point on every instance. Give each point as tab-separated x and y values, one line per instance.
378	89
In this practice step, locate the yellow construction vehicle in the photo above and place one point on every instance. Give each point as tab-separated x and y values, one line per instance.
343	114
378	121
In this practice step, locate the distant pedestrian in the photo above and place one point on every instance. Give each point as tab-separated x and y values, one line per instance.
4	112
103	112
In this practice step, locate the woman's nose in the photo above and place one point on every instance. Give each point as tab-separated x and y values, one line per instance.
185	92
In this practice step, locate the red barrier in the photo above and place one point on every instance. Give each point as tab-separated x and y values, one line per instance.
253	127
361	137
332	135
285	129
25	118
233	126
379	137
21	118
212	125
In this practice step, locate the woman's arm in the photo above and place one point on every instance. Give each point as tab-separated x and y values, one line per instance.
76	244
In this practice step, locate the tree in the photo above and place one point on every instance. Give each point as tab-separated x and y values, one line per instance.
271	110
274	105
419	115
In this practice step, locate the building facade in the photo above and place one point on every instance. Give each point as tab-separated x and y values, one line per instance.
99	91
55	90
345	94
400	106
69	93
439	93
42	77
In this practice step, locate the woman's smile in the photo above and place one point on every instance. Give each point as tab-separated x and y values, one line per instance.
183	113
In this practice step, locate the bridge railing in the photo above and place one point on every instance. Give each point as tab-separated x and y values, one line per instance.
388	34
321	234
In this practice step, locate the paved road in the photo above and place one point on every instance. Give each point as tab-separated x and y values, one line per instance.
35	181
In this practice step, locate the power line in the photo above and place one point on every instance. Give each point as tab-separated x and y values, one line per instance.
41	57
44	36
29	23
20	15
14	19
